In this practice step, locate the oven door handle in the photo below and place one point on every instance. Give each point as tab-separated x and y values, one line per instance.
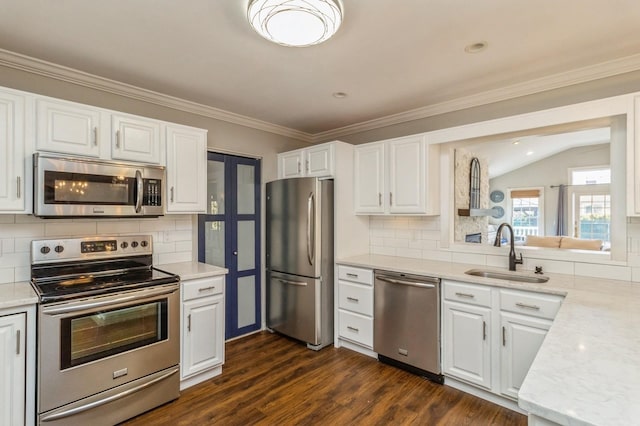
137	296
93	403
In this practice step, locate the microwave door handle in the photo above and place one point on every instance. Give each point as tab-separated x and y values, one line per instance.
139	191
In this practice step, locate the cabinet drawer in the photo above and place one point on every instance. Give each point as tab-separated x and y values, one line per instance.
357	328
202	287
357	275
467	293
532	304
356	298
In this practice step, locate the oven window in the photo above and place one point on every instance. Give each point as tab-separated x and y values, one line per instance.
78	188
101	334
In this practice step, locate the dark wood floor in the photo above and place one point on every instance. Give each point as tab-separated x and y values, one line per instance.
271	380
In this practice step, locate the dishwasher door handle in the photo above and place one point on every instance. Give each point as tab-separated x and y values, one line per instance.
403	282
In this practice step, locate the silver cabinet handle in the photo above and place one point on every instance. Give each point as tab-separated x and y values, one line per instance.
469	295
353	329
298	283
525	306
117	138
171	194
504	336
207	288
379	198
299	169
307	166
352	299
350	275
17	342
95	136
189	322
391	198
484	330
18	187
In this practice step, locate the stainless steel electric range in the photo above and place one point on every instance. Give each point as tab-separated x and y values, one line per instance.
108	329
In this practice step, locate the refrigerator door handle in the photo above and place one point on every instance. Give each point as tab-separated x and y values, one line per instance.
299	283
311	225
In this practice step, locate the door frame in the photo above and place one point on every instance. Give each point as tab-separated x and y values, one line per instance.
230	218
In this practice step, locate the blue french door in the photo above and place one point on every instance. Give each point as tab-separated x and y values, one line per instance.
229	236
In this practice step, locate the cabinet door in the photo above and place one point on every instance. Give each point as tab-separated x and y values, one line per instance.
67	128
135	139
521	338
203	335
186	170
319	161
369	179
12	369
12	141
290	164
466	343
407	178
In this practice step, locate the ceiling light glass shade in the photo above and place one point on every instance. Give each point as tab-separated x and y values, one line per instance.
296	23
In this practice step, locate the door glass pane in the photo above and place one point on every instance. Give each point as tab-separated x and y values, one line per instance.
246	189
246	245
246	301
215	187
214	243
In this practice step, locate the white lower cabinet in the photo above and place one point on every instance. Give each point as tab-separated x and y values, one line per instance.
491	335
355	308
202	339
12	369
467	350
521	338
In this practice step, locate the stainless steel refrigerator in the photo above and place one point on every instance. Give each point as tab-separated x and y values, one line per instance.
299	235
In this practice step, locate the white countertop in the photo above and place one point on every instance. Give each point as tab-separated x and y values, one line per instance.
587	371
192	270
17	294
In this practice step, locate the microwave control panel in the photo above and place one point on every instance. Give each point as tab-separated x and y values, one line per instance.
152	192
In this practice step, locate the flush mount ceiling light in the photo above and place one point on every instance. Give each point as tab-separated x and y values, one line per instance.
297	23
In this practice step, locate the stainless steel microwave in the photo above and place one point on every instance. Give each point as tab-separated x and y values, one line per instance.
80	187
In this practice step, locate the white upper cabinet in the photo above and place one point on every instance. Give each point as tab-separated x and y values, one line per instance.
290	164
318	161
369	178
12	153
68	128
135	139
186	188
400	176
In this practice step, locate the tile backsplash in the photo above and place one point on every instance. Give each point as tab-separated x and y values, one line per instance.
419	238
172	238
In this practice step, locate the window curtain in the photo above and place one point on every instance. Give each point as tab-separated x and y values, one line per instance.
561	220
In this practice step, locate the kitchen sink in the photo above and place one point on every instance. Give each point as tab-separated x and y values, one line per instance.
507	276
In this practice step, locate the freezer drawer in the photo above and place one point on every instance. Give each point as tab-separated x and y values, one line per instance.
293	306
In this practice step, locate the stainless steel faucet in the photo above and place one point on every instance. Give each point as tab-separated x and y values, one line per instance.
513	261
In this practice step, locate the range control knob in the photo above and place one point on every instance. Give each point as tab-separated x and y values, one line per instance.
124	244
134	244
144	243
59	249
45	250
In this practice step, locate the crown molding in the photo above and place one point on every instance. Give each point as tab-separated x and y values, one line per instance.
47	69
581	75
554	81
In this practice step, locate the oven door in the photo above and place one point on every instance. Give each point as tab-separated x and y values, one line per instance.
87	346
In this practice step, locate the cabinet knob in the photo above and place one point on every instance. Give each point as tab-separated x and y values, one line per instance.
235	253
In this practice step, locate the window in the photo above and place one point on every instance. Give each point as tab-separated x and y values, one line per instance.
527	209
591	203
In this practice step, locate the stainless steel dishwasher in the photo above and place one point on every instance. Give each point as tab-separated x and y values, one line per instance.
407	322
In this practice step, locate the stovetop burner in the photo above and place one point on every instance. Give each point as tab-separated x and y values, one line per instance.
76	272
